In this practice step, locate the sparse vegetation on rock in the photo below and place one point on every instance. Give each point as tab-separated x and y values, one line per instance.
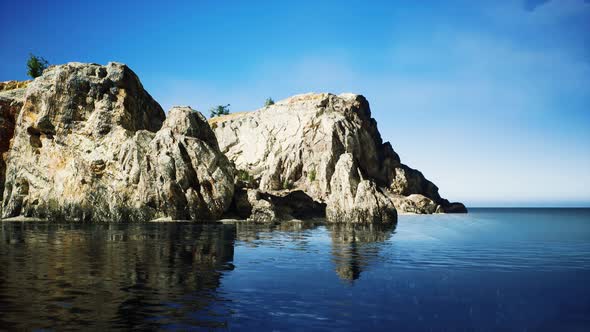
268	102
287	184
312	175
219	110
36	65
244	178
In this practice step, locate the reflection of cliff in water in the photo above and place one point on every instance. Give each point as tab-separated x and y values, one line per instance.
111	276
354	246
291	232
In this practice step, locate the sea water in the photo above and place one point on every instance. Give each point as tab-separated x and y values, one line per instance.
488	270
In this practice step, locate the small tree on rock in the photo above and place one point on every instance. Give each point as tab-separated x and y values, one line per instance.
268	102
219	110
36	65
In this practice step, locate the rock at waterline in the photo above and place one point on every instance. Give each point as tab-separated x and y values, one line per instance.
91	144
87	142
258	206
297	143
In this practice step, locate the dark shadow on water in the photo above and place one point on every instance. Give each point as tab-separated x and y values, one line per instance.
112	276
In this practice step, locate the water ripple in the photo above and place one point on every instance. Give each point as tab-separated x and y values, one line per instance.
492	269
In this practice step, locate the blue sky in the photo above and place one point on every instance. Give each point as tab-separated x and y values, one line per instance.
490	99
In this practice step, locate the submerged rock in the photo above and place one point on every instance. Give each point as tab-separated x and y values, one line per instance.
91	144
297	143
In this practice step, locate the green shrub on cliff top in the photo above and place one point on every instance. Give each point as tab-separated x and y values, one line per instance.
36	65
219	110
268	102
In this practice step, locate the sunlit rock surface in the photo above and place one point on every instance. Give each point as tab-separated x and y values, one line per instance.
87	142
355	199
297	143
91	144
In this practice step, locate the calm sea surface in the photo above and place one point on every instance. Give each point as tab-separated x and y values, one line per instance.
489	270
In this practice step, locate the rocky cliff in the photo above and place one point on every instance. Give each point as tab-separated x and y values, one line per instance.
329	147
89	143
13	85
11	101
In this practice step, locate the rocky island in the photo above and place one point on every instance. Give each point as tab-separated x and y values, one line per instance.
85	142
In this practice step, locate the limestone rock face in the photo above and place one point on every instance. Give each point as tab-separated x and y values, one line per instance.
10	104
297	142
91	144
414	203
13	85
354	199
182	171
